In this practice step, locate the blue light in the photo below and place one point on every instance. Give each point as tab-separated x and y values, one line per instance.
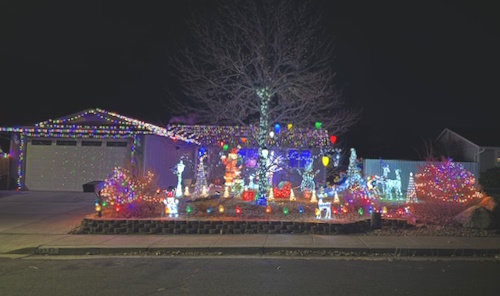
277	128
261	201
201	151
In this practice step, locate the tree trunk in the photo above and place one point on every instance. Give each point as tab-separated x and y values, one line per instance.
263	93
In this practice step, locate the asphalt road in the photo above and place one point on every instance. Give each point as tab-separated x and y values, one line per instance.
246	276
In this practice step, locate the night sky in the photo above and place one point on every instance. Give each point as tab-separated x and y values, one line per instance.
415	67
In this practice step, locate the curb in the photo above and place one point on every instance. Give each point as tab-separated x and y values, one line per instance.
264	251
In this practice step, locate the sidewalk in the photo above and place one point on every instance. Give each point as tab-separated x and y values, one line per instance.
37	223
269	244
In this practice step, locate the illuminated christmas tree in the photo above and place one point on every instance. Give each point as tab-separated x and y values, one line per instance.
201	178
447	181
411	193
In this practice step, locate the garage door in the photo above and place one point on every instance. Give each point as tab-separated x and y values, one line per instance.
65	165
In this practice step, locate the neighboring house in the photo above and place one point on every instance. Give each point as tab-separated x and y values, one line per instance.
63	154
470	145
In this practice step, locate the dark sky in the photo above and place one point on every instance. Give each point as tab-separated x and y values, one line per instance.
415	67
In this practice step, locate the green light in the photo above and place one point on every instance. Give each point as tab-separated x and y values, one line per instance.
317	124
225	147
360	211
188	209
285	210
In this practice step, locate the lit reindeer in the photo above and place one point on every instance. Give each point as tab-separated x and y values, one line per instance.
324	206
394	185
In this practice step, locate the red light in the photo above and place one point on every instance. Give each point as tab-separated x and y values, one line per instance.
333	139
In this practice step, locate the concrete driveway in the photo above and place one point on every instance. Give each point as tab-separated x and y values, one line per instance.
27	217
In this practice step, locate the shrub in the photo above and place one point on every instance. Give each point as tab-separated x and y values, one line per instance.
444	190
446	181
490	178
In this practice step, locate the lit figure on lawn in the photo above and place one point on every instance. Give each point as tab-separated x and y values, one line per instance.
324	206
171	204
308	178
394	185
180	170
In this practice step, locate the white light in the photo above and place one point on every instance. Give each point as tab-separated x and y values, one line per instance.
265	152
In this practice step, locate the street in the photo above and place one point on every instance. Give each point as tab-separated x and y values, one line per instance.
246	276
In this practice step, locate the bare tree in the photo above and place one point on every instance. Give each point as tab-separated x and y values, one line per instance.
261	62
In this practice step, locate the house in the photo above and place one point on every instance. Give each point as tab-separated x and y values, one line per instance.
470	145
63	154
293	147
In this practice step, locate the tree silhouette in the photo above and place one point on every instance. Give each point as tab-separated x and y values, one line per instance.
256	63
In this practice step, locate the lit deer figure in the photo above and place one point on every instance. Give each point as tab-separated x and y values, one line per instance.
324	206
394	185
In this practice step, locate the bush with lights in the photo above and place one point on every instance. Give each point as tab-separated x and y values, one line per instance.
444	190
127	195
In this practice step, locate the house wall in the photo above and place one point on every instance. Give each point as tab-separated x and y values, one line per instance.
161	155
488	159
215	169
15	143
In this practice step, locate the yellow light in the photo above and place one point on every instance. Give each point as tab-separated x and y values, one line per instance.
167	211
325	159
97	208
221	209
289	126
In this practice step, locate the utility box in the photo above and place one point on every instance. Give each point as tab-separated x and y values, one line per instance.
94	186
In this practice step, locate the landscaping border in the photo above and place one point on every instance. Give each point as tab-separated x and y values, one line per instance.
180	226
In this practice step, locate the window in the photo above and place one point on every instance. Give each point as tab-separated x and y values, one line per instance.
41	142
249	157
65	143
299	158
116	144
305	158
293	156
92	143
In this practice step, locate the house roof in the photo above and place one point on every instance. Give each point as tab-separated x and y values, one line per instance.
481	137
245	136
93	123
98	123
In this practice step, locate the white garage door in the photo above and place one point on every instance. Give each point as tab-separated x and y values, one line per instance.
65	165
